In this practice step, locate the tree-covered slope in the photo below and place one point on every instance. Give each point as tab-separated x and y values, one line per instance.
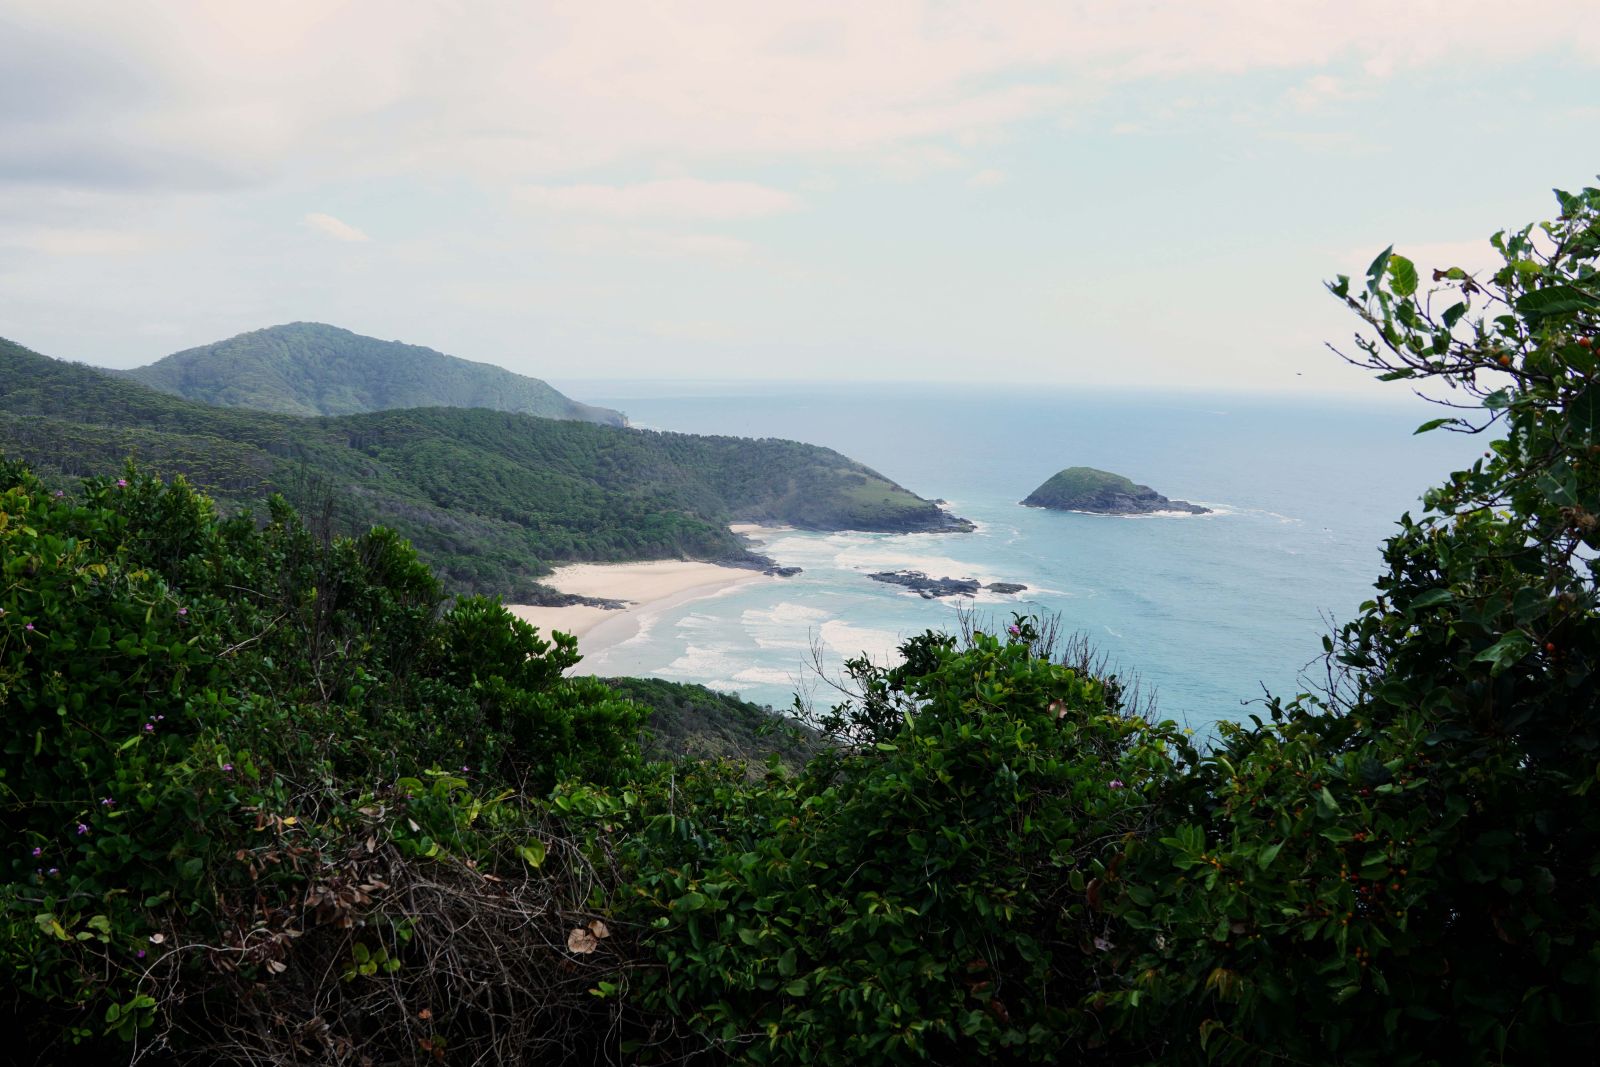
308	368
489	498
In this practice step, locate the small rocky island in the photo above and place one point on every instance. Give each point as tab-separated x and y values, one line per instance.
928	588
1103	493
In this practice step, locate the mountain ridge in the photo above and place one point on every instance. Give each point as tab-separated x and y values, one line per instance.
490	499
313	368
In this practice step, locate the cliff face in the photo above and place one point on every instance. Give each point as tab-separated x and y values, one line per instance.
1101	492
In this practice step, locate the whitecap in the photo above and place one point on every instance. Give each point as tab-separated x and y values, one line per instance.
850	641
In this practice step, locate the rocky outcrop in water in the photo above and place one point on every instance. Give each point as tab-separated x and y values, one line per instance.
929	588
1104	493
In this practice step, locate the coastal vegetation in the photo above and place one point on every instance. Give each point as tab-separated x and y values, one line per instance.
269	797
1088	489
309	368
489	499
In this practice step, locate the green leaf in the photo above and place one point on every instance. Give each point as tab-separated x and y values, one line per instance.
1433	424
787	964
1375	271
532	853
1432	598
690	902
1555	300
797	988
1583	414
1326	803
1506	652
1265	857
1402	276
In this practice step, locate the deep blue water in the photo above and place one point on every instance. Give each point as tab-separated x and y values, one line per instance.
1208	609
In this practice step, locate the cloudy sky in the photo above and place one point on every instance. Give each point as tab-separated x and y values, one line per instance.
1111	192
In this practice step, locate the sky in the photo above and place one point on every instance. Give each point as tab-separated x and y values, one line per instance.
1128	193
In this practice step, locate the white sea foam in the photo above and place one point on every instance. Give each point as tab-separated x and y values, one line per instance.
700	661
850	641
901	556
767	676
783	614
785	626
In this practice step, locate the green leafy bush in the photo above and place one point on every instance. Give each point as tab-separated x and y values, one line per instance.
1403	870
928	895
228	746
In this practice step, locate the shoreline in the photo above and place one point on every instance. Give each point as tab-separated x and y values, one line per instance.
649	589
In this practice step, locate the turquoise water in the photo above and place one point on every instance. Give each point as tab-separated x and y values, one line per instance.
1208	609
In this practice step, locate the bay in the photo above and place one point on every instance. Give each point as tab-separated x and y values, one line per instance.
1212	611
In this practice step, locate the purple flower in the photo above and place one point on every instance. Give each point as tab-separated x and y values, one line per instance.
122	483
53	871
28	627
227	768
37	852
1115	783
149	727
139	955
183	611
465	769
107	802
1014	631
82	829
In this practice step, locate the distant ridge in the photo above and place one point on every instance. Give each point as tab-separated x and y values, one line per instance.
490	499
310	368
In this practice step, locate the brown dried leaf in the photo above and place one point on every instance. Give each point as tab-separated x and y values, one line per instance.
582	942
599	930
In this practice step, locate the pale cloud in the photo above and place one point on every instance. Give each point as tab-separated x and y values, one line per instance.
563	170
672	198
214	93
987	179
705	331
651	243
338	229
1322	90
79	241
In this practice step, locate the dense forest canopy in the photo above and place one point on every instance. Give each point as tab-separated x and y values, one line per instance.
309	368
489	498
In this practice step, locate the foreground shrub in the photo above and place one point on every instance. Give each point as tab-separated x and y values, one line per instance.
267	797
929	895
1404	870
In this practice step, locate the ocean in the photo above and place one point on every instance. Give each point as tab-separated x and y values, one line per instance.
1212	611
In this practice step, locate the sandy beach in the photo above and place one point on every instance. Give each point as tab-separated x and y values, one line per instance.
647	588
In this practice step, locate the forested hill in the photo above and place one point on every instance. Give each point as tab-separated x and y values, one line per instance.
308	368
489	498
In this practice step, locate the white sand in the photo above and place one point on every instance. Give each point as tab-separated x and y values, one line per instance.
746	529
648	588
